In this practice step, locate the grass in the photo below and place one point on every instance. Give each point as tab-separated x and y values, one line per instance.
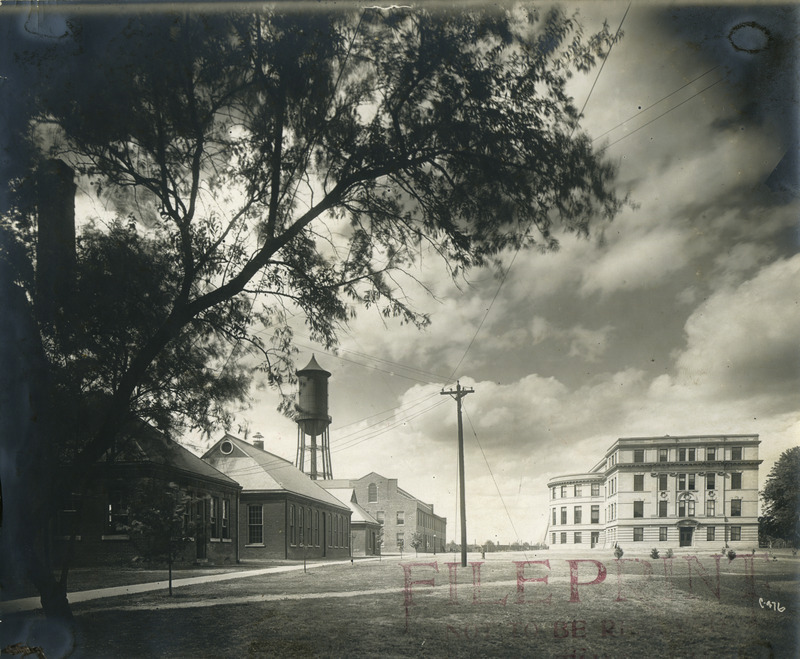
358	611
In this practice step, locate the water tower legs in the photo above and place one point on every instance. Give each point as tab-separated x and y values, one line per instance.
316	450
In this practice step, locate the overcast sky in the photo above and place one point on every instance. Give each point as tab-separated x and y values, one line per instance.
681	318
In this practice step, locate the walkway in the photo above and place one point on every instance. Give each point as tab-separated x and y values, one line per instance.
33	603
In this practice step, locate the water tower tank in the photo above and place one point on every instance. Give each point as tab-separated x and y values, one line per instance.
312	404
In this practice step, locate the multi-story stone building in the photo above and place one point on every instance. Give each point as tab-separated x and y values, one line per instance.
401	514
690	491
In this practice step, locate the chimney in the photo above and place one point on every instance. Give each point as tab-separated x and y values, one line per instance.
55	245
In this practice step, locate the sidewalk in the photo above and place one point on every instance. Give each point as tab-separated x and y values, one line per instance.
33	603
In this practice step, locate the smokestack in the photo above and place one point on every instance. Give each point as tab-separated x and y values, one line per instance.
55	245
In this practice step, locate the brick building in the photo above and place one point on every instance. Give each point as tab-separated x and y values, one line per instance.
282	512
366	533
689	491
144	463
401	514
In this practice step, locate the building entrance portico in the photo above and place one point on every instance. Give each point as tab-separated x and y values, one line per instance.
686	536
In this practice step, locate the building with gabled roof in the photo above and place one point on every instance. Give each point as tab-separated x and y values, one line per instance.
399	512
144	463
365	531
282	512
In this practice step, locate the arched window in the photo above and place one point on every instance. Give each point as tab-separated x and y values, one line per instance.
373	493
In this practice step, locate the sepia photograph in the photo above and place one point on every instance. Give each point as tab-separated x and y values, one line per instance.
428	329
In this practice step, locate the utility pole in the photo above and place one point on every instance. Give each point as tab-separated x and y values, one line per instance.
458	394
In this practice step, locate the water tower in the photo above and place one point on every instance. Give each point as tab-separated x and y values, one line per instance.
313	421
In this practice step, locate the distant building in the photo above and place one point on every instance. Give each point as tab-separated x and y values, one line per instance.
690	491
401	514
282	512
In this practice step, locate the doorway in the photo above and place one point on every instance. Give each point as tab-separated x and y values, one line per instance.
686	536
595	538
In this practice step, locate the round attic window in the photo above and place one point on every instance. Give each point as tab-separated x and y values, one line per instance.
226	448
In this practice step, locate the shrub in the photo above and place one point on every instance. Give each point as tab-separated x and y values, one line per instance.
618	551
654	553
668	553
731	554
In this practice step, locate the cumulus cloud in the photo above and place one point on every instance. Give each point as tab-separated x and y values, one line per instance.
744	339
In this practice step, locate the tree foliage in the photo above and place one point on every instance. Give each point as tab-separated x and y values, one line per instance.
261	167
781	497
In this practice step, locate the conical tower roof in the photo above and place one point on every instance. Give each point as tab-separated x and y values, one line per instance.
312	367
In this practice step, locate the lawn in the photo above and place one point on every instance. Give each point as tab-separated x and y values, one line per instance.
638	607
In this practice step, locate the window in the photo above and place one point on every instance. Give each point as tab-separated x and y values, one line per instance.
577	514
563	514
226	519
401	517
638	533
372	493
681	481
578	490
577	537
711	481
554	516
691	481
692	453
662	508
711	453
595	489
662	482
663	454
316	528
662	533
686	481
711	508
681	455
554	492
400	539
736	533
638	455
336	530
563	491
736	481
380	516
255	525
686	508
553	538
330	530
638	482
638	508
711	532
118	513
214	517
302	526
736	508
563	538
736	453
292	526
596	514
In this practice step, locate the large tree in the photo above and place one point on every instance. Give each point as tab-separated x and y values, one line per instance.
781	497
275	163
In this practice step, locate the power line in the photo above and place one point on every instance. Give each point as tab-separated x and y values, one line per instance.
391	427
502	500
649	107
663	113
514	258
605	59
